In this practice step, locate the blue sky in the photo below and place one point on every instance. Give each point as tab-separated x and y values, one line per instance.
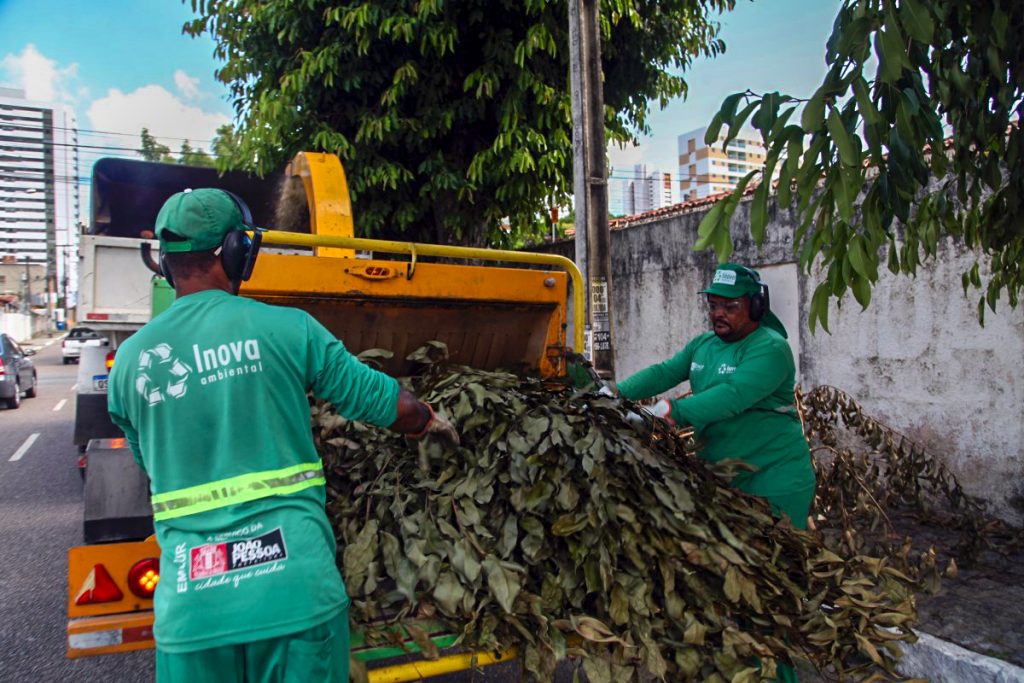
125	64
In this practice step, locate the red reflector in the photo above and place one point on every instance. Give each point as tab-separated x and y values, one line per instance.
2	371
136	634
143	577
97	316
98	587
110	360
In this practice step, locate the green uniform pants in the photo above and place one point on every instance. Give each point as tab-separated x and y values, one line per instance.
796	505
316	655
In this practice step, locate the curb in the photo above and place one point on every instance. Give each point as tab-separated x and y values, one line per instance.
941	661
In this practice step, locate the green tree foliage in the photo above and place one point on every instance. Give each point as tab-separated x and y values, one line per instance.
450	117
152	150
862	153
194	157
227	147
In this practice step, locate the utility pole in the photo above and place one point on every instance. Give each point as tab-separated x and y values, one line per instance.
28	288
590	183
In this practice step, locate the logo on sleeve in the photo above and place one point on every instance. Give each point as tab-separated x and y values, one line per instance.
214	559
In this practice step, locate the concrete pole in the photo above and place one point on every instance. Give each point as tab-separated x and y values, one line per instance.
590	183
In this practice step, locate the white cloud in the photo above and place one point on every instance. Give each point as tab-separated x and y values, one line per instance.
157	109
187	86
41	78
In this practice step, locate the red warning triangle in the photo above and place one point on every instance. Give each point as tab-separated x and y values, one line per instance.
98	587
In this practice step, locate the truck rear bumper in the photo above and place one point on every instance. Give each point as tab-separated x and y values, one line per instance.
109	634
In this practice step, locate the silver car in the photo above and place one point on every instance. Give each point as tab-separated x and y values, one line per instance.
71	347
17	373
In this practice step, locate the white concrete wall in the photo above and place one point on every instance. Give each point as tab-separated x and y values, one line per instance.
18	326
918	359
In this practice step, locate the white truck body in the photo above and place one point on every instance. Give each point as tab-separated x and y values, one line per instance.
114	291
114	299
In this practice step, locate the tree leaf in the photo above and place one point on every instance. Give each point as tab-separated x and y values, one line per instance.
837	129
864	104
916	21
891	54
759	212
711	135
504	584
813	115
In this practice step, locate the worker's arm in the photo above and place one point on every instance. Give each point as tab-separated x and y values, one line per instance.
120	419
358	392
658	378
757	376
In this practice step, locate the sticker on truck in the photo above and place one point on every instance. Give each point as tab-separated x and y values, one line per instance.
99	382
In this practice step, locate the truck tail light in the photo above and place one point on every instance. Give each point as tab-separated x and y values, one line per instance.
98	587
110	360
2	370
143	577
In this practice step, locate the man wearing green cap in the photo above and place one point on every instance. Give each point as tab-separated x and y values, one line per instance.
212	397
742	375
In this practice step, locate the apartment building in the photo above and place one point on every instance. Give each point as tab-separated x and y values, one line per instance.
39	198
640	190
707	170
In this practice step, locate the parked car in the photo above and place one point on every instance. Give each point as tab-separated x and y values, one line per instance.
71	347
17	373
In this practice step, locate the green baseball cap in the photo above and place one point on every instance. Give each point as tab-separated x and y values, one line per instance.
733	281
199	218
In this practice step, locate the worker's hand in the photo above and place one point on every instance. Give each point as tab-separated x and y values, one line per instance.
438	425
663	410
608	389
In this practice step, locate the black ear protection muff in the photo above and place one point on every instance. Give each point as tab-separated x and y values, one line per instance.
237	251
760	303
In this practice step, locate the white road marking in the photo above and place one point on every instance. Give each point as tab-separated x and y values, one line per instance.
24	447
60	404
49	343
74	387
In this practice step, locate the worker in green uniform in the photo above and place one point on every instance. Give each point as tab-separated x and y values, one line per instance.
212	397
742	375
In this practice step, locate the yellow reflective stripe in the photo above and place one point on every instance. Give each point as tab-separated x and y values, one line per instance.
235	490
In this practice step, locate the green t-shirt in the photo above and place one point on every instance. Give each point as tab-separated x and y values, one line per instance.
742	406
215	388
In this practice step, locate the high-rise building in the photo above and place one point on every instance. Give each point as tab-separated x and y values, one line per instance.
39	199
707	170
620	195
641	190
